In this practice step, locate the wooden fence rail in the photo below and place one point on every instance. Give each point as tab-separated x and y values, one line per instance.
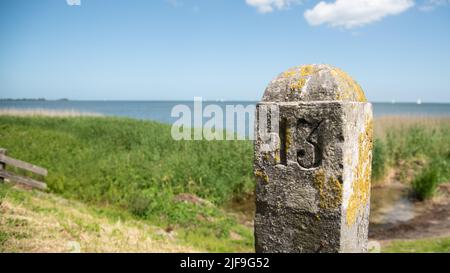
4	174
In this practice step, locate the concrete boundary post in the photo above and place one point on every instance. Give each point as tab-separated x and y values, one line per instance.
313	180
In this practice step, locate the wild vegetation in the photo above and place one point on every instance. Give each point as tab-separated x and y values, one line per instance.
122	169
32	221
137	167
418	149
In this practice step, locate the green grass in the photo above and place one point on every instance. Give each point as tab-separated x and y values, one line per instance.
436	245
419	152
136	166
32	221
2	194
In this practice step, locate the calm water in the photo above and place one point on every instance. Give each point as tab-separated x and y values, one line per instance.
161	110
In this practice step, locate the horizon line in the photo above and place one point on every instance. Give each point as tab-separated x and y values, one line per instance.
186	100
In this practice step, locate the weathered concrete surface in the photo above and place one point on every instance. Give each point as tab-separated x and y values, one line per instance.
313	189
313	83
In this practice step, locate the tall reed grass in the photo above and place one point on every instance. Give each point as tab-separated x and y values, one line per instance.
418	148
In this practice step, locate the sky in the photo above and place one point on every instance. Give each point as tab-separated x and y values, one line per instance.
219	49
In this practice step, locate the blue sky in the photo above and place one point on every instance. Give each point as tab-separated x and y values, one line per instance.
177	49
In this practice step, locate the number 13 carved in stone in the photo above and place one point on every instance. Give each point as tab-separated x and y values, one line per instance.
308	143
309	146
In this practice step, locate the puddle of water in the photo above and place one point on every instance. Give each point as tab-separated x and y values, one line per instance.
391	205
244	209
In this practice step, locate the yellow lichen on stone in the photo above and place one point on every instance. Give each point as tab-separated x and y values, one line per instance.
262	175
330	190
297	85
289	74
305	72
361	186
349	89
277	156
288	139
277	153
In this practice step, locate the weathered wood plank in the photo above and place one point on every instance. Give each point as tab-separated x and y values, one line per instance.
23	165
2	165
23	180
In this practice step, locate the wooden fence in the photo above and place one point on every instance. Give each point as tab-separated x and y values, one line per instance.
14	178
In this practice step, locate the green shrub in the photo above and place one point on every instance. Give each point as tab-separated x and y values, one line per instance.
425	184
139	204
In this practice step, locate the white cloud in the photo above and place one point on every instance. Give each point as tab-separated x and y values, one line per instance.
354	13
267	6
73	2
430	5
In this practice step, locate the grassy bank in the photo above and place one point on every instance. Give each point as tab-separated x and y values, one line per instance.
137	167
44	222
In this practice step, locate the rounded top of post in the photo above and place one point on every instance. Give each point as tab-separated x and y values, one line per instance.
314	82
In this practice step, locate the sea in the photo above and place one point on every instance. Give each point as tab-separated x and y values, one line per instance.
161	111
